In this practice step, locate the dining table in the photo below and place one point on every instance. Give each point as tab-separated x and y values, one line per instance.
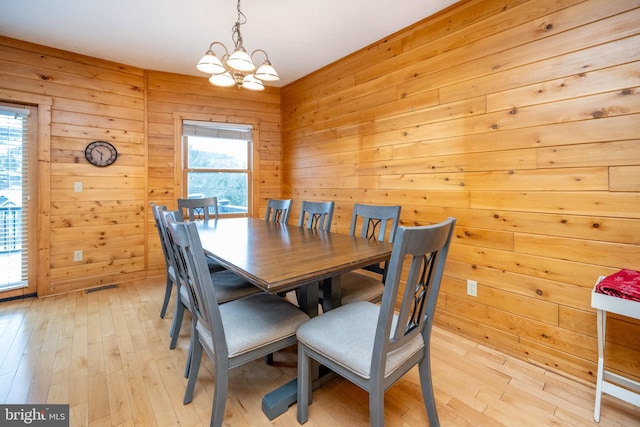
279	258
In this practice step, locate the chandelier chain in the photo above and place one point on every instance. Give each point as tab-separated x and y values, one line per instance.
236	35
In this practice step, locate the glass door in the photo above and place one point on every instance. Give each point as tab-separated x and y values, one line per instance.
16	189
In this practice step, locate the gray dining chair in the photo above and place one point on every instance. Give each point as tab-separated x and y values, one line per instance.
380	345
202	209
370	222
231	334
316	215
229	286
171	275
278	210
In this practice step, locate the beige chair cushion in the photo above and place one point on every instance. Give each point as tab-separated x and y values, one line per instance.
255	321
363	286
229	286
352	347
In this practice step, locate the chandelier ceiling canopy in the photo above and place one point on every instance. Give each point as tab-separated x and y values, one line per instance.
238	68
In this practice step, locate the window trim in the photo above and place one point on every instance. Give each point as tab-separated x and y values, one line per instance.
254	160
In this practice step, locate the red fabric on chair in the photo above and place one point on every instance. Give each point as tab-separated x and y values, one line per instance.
624	284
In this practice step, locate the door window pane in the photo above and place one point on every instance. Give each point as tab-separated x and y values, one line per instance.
14	196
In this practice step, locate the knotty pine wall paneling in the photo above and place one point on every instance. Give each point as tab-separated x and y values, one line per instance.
110	221
172	98
521	118
91	99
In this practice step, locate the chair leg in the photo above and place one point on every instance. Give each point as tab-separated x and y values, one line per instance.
187	365
221	386
191	345
175	314
426	384
376	405
167	297
304	385
194	367
177	324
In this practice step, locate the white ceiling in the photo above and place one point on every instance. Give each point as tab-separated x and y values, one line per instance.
300	36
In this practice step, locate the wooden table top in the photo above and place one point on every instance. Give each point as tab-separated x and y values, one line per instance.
279	258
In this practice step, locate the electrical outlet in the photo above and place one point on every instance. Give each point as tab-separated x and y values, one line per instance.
77	255
77	187
472	288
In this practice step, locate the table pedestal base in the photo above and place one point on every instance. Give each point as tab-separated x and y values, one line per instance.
278	401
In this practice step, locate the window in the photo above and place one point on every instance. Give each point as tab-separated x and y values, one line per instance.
217	163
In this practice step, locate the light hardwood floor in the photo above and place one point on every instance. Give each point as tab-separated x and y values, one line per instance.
106	354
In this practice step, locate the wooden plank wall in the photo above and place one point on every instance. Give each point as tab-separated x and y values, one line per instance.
91	99
110	221
173	96
522	120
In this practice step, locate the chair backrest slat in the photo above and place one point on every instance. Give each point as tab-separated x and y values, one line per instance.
316	215
156	210
278	210
165	217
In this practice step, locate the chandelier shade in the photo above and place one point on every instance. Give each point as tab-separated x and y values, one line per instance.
266	72
241	61
210	63
252	83
237	69
223	79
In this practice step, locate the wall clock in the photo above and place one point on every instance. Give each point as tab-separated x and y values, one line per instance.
101	153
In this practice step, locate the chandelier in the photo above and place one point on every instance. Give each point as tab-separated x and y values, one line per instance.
238	68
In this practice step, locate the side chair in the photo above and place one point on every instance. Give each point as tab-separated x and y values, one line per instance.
372	345
278	210
316	215
229	286
370	222
231	334
171	274
202	209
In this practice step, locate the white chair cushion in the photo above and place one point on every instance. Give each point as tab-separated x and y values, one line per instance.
352	348
255	321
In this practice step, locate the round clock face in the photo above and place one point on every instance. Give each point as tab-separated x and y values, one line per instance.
101	153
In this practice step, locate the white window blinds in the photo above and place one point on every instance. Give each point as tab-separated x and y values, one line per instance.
14	196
